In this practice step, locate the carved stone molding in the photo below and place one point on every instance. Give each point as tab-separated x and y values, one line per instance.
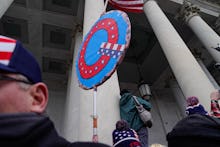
187	11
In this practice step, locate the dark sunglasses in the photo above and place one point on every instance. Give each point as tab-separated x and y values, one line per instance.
7	78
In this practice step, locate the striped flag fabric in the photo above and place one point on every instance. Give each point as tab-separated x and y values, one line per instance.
7	46
135	6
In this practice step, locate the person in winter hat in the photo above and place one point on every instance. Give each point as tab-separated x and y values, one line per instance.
123	136
215	108
197	129
129	112
194	107
23	101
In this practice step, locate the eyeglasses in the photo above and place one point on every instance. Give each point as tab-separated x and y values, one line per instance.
7	78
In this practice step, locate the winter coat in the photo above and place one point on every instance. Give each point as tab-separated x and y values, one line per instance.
33	130
129	112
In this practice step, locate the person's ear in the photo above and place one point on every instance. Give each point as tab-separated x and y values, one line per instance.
39	93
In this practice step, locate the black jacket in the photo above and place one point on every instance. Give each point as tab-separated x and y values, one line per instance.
33	130
195	131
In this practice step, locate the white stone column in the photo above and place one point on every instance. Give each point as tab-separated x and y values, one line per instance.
208	37
107	93
187	71
4	4
72	106
178	95
212	80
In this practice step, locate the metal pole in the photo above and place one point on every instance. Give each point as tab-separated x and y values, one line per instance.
95	118
106	4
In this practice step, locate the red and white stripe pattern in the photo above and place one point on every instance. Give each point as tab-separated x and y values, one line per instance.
113	46
111	49
128	5
7	46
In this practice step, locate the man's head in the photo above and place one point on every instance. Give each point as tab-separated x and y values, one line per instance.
21	87
122	125
123	91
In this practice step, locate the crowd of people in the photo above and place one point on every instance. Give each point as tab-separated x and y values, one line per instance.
24	122
199	128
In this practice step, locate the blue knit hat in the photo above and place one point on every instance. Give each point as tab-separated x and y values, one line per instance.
14	58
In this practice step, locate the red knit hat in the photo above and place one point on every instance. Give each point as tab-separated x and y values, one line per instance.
191	101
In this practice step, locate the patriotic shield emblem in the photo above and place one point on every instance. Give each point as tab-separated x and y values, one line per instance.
103	49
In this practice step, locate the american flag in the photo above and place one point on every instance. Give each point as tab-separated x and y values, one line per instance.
128	5
7	46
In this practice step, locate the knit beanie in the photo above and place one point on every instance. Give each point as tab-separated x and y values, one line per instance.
124	136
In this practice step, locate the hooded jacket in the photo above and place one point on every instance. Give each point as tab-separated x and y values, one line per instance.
33	130
129	112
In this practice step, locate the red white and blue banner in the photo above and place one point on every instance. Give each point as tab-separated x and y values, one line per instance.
135	6
103	49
